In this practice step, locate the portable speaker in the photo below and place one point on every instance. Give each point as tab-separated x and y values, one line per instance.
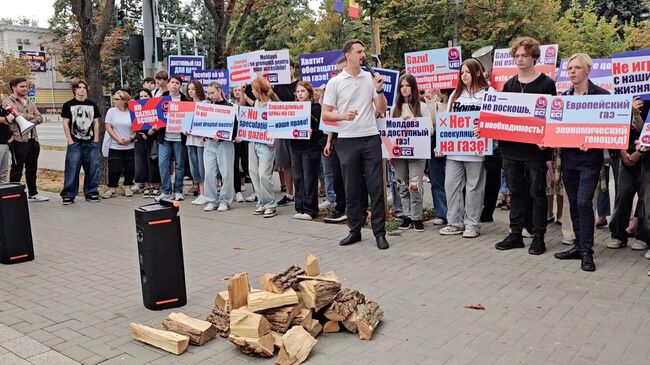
160	248
15	230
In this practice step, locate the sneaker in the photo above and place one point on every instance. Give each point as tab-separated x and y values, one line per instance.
146	193
471	233
439	222
527	233
510	242
243	188
568	241
505	207
201	200
406	224
647	255
259	211
162	196
268	213
450	230
325	205
418	225
283	188
286	200
251	198
38	198
67	201
239	198
335	217
111	192
92	198
135	189
128	191
639	245
210	207
223	207
616	243
179	196
303	217
537	247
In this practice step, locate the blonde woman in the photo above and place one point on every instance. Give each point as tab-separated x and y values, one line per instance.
121	160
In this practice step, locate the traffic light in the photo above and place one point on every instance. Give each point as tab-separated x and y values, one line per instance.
120	18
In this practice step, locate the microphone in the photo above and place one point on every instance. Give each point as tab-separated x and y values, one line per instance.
370	69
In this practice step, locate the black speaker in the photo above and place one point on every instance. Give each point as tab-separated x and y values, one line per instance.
15	230
160	248
136	47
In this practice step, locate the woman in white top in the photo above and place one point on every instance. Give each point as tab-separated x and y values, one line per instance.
195	144
466	173
409	172
121	160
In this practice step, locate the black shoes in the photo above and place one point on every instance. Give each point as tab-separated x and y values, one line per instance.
382	244
418	225
587	259
512	241
570	254
587	263
406	223
352	238
335	217
537	247
285	201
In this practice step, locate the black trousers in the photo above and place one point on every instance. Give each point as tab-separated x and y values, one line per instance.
493	166
359	156
527	183
24	155
339	186
629	183
580	181
305	165
643	233
120	163
236	176
146	168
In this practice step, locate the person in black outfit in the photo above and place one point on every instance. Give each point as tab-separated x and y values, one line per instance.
581	171
525	164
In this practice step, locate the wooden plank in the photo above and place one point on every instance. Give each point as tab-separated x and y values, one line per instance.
262	300
238	289
166	340
296	346
244	323
313	267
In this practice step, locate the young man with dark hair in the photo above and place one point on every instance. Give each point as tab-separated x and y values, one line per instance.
525	164
149	83
81	128
25	148
162	77
357	96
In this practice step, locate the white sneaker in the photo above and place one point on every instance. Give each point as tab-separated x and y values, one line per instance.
259	210
135	189
239	198
325	205
111	192
471	233
223	207
200	200
128	192
647	255
243	188
162	196
251	198
526	233
438	221
639	245
569	241
304	217
270	212
615	243
179	196
210	207
38	198
450	230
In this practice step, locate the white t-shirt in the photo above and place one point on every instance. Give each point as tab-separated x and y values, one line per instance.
467	102
424	110
345	93
121	123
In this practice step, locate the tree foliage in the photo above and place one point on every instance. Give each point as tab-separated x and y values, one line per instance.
11	65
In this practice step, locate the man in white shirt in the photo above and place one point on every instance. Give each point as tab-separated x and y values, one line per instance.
356	96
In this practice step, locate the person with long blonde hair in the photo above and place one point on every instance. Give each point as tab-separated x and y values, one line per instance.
121	160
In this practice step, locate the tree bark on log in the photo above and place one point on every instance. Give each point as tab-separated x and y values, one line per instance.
262	346
345	302
221	320
369	319
199	331
279	282
350	323
281	318
317	294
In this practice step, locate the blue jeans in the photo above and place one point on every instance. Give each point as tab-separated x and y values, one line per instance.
197	168
437	179
165	151
329	179
392	183
260	168
78	155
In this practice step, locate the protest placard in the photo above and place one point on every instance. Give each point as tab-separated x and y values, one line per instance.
434	69
455	135
631	72
600	75
513	117
272	65
391	88
147	113
184	65
289	120
644	138
240	68
405	138
252	125
179	118
327	125
205	77
505	67
214	121
589	121
318	68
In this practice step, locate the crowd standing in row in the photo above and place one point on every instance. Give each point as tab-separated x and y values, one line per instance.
464	189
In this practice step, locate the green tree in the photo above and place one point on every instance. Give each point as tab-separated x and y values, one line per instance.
624	10
11	65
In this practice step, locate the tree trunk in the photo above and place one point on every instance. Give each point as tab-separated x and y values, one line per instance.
95	80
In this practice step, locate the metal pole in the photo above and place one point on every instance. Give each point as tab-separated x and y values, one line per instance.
121	74
149	39
52	71
178	42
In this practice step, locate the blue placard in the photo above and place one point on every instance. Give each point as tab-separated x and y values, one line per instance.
218	75
391	77
318	68
184	65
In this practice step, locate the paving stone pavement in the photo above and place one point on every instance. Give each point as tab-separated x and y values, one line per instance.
76	299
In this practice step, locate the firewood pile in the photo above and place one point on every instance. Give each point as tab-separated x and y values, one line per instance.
288	311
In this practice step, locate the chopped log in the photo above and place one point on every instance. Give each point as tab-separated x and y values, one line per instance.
279	282
199	331
303	318
328	276
221	320
277	338
331	327
281	318
238	289
369	319
313	267
317	294
262	346
350	323
296	346
262	300
344	303
223	301
166	340
248	324
315	328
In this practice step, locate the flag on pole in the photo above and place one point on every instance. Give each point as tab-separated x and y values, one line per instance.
353	10
339	6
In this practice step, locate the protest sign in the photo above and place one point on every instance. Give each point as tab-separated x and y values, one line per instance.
505	67
589	121
631	72
318	68
644	138
148	113
214	121
289	120
455	135
328	126
253	125
240	68
184	66
405	138
514	117
180	116
272	65
391	88
601	75
434	69
205	77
